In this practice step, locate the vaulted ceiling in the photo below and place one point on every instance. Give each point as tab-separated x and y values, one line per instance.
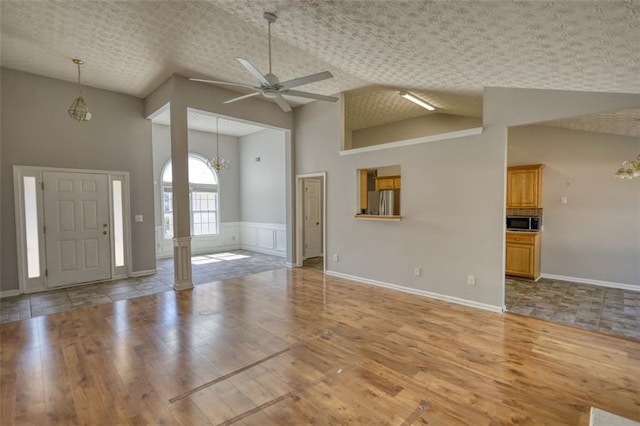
444	51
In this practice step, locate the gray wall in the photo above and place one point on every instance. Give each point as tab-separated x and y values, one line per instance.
596	234
453	194
203	143
439	233
37	131
262	183
426	125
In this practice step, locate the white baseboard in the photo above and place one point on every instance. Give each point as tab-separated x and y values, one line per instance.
9	293
429	294
610	284
137	274
264	250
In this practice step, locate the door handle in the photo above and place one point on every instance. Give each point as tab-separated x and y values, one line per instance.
317	223
105	232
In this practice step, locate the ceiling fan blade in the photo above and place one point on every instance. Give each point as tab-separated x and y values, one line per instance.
282	103
228	83
254	71
309	95
239	98
312	78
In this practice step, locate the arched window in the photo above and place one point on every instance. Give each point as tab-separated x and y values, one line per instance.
203	198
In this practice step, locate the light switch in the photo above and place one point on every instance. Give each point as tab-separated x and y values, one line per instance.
138	218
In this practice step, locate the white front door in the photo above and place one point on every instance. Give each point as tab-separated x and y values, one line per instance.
76	217
312	219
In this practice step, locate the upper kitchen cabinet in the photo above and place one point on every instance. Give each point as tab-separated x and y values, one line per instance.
524	186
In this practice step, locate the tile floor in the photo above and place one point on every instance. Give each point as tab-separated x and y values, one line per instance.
606	310
205	268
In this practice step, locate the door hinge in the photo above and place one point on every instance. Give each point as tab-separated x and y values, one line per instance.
46	272
42	185
44	229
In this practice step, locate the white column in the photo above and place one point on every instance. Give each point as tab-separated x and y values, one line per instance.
180	186
182	263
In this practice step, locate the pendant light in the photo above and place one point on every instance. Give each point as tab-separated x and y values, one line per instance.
218	163
78	109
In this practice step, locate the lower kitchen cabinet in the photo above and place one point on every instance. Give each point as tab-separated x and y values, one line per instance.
523	254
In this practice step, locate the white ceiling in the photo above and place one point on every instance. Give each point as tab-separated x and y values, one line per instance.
206	122
445	51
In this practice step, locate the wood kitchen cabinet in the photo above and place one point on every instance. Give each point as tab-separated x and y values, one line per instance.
524	186
523	254
385	183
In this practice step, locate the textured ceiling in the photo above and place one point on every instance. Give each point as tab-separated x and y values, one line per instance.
624	123
445	51
205	122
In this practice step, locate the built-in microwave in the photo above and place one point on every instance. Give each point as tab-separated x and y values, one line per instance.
523	223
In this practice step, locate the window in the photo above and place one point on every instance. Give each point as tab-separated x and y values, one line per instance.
118	224
203	196
31	227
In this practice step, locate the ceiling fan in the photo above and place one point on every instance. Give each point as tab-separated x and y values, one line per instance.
269	85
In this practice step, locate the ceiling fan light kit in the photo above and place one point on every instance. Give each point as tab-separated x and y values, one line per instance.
78	109
629	169
416	100
270	86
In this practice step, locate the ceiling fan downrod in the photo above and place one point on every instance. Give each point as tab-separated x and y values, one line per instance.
270	18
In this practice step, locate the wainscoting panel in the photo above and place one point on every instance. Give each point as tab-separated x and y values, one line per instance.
228	239
269	238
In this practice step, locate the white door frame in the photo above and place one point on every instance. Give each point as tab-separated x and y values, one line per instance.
300	213
30	285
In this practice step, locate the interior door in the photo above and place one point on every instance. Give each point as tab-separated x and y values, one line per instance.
312	218
76	217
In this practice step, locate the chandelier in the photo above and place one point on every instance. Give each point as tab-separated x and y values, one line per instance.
218	163
629	169
78	109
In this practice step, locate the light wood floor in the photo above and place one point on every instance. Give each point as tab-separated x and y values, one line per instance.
289	347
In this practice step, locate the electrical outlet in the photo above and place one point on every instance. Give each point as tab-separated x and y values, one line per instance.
417	271
336	258
471	280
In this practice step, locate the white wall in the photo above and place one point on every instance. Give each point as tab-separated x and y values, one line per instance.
596	234
263	183
425	125
37	131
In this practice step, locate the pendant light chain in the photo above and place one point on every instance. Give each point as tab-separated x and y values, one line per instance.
79	84
78	109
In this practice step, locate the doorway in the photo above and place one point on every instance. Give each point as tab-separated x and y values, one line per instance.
72	226
311	220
